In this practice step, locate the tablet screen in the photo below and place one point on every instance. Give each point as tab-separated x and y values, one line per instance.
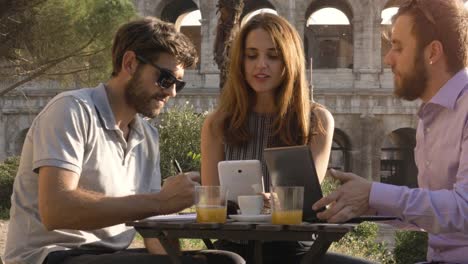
294	166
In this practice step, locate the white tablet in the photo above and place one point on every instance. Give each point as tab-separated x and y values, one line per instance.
241	177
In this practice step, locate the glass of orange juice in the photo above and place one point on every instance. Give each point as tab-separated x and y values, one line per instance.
286	204
211	204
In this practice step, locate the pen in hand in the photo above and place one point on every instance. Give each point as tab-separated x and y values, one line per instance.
177	166
193	176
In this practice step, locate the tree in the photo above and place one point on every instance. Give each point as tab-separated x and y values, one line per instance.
228	25
66	40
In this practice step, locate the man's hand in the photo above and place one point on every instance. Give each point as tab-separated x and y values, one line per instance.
178	192
349	200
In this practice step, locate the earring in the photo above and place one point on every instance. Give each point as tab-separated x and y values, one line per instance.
430	62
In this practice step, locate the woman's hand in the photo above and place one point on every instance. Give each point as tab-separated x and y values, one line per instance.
266	203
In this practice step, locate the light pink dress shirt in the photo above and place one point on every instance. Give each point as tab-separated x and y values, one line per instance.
440	204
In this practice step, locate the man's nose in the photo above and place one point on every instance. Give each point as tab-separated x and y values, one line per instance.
388	59
171	91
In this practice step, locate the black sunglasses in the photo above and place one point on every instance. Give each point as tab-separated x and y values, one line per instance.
166	79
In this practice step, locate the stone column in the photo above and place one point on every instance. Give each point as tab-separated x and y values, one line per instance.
358	42
300	26
371	139
377	44
3	155
208	35
208	69
366	74
207	64
147	7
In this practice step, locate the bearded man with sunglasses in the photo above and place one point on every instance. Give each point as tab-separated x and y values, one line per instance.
90	162
429	59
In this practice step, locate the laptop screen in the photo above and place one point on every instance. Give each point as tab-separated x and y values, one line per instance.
294	166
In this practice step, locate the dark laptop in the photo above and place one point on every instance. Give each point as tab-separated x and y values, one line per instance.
294	166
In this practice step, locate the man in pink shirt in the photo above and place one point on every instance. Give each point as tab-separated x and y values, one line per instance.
429	59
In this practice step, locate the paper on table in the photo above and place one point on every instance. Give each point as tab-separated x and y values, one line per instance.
173	217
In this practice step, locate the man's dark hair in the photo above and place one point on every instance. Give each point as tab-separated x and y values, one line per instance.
148	37
442	20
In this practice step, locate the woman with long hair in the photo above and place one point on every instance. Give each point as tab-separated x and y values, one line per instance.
265	102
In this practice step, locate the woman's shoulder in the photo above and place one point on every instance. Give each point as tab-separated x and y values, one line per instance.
322	115
214	122
321	111
214	117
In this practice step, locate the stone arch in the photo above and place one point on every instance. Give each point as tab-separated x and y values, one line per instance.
330	46
384	29
170	10
16	128
19	141
173	11
252	5
340	153
390	3
397	163
194	34
148	7
343	5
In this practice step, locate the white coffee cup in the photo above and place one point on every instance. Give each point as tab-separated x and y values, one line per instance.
250	204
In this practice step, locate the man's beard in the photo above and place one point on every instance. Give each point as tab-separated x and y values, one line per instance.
137	97
413	84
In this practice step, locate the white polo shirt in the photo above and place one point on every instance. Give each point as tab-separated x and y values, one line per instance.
77	131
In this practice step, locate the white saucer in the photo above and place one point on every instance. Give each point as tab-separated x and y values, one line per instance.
252	218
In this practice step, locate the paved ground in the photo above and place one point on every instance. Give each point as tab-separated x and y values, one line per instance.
3	232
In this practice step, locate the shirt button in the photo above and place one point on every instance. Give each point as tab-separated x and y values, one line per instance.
427	130
427	163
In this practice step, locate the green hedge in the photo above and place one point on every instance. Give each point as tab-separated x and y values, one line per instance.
8	169
361	243
179	138
411	247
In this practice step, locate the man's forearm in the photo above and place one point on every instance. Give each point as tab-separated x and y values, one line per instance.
85	210
440	211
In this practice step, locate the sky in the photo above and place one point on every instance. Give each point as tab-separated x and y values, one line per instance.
325	16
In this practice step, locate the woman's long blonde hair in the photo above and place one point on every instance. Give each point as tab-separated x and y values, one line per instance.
292	98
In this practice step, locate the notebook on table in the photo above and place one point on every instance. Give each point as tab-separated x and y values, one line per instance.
294	166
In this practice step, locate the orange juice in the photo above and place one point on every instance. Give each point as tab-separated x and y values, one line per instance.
287	217
211	214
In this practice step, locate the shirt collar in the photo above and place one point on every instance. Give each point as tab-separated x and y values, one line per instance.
102	105
447	95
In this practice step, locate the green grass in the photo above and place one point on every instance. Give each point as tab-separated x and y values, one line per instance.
192	244
185	244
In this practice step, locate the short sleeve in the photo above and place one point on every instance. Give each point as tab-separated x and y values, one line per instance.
59	135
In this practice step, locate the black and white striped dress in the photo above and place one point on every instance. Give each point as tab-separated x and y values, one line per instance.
260	129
